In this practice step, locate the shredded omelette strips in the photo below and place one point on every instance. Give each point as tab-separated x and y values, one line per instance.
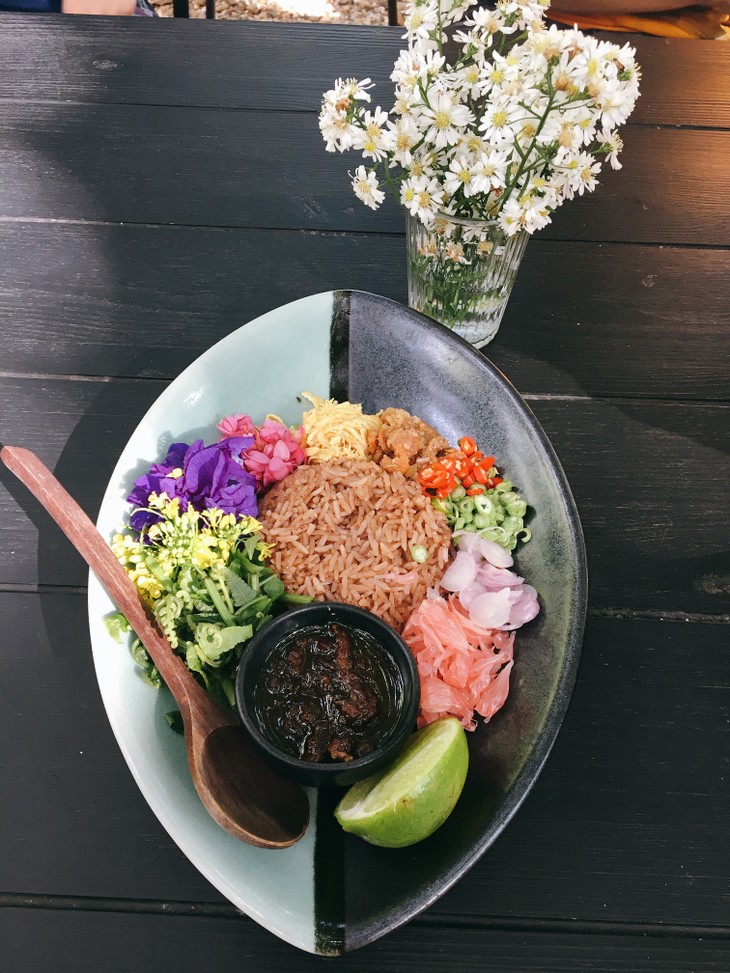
336	429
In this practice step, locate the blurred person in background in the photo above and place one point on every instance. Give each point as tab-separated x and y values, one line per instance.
709	20
110	8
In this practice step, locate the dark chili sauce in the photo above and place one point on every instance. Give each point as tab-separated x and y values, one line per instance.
328	694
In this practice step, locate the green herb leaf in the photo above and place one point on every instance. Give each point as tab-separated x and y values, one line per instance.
117	626
213	642
274	587
241	592
228	691
294	599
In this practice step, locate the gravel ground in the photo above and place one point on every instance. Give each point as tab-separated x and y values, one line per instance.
373	12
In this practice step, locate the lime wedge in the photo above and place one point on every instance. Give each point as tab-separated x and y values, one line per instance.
409	799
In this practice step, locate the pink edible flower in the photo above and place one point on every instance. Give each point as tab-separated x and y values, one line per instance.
236	425
276	453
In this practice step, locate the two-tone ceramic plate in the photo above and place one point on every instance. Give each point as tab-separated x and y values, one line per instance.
332	892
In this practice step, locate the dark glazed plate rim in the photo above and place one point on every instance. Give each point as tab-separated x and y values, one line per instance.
523	783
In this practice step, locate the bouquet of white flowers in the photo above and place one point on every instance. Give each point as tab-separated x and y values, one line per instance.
483	147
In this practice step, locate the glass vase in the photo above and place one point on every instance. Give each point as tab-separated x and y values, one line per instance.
461	272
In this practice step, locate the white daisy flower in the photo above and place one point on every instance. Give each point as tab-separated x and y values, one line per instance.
467	79
373	139
616	105
366	188
420	22
497	121
612	143
407	69
580	170
422	196
460	175
444	120
337	131
490	170
511	217
404	135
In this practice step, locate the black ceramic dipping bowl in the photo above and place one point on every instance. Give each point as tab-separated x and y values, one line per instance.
286	627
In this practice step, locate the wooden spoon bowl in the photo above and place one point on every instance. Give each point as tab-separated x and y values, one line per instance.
240	792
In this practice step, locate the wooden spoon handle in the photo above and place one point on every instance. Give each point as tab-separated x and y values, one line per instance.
90	544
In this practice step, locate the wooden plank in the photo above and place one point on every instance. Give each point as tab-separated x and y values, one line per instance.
288	66
68	941
650	479
582	320
139	164
78	822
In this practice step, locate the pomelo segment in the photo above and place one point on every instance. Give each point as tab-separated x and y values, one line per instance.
411	798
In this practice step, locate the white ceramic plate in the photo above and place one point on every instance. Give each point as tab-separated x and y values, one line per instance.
331	892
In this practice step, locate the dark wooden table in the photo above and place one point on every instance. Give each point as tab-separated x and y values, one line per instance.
161	184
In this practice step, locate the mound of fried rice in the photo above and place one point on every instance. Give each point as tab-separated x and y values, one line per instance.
344	530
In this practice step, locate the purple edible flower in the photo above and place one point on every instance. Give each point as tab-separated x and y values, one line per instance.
201	477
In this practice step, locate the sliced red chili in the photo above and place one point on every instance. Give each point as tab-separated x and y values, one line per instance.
467	445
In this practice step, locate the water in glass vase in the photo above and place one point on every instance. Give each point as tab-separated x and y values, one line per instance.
461	272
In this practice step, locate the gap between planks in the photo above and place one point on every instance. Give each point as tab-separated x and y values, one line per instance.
212	910
527	396
67	221
720	126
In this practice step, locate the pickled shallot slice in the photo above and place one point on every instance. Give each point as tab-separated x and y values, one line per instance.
491	609
460	573
493	596
467	595
524	609
496	555
496	578
472	543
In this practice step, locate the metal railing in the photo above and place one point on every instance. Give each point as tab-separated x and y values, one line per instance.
181	8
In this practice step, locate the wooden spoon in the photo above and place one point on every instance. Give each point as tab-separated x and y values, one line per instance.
242	793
